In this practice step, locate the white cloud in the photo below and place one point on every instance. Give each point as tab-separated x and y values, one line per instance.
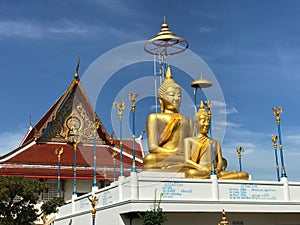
293	139
228	124
26	29
68	27
219	104
19	28
58	29
229	110
204	29
10	141
117	6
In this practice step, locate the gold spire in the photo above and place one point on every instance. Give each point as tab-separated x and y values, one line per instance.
201	111
224	220
201	105
77	68
169	74
201	83
165	42
165	32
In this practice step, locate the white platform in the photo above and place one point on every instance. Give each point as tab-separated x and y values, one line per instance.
188	201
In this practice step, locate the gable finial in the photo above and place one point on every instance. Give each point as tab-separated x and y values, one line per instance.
30	123
77	67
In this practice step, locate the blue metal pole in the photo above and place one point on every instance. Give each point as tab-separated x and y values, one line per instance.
283	173
133	142
239	150
277	115
95	161
58	177
121	107
277	166
274	139
240	162
213	172
74	188
121	150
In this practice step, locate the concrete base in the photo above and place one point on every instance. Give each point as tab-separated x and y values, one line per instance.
193	200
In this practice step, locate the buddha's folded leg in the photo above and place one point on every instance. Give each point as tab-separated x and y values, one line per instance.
162	160
233	175
193	173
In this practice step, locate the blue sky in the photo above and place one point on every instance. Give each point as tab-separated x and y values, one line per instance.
252	47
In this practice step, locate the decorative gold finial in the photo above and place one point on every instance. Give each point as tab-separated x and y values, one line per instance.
30	123
121	106
132	97
277	113
165	42
239	150
169	74
94	201
58	152
224	220
274	140
96	125
77	68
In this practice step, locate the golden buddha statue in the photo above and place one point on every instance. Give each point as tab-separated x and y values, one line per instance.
167	130
198	152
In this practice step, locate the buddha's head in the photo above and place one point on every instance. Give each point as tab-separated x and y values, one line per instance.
169	94
202	120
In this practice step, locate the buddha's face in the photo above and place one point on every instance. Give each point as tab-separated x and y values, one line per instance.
172	99
203	124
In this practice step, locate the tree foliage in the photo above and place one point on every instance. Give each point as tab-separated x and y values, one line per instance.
19	197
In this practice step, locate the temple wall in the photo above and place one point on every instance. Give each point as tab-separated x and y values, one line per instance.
194	200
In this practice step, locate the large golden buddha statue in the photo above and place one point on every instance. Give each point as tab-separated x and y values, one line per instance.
168	129
199	151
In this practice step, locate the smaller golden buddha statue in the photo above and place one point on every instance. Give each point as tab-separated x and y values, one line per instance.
166	130
199	150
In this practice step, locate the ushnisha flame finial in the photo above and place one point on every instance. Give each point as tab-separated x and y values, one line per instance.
169	74
201	110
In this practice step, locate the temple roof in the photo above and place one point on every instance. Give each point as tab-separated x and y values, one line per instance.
70	119
40	160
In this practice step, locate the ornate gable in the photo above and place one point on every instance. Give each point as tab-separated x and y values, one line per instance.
73	116
72	119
